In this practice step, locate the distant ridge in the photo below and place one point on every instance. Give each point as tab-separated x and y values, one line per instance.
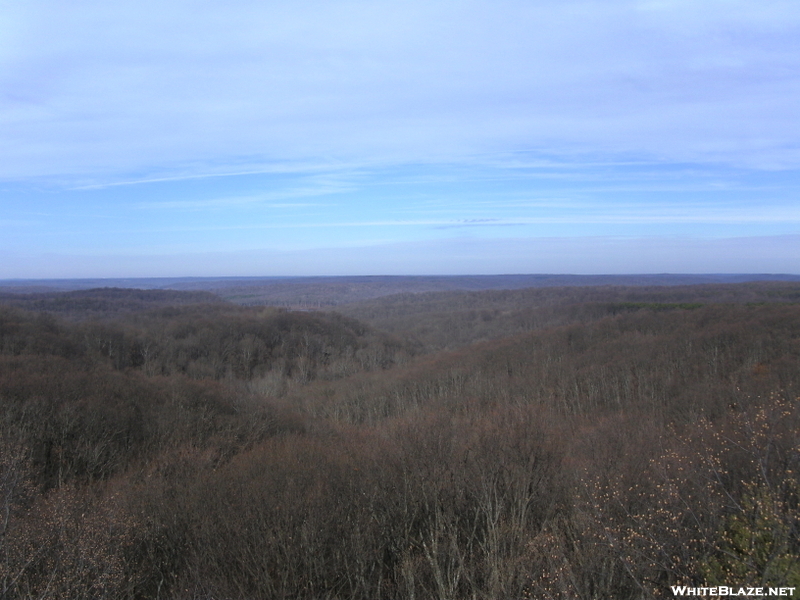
103	302
331	291
477	281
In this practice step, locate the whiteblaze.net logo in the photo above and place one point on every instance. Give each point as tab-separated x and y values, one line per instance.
724	590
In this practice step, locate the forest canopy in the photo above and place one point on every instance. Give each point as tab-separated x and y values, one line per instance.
604	442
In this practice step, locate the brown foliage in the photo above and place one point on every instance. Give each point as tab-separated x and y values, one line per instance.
217	452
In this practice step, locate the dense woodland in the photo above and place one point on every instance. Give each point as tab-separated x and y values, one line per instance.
561	443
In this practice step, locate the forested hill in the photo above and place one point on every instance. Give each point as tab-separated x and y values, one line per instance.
446	320
319	292
497	445
680	360
104	302
211	341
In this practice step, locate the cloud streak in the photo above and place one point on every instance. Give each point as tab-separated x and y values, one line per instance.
344	122
96	90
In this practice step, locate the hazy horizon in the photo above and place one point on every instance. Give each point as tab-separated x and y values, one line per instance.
374	138
412	283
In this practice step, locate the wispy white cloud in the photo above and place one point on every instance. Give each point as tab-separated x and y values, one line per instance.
98	90
343	121
276	200
223	203
598	218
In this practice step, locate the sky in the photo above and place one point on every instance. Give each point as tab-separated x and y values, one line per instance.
193	138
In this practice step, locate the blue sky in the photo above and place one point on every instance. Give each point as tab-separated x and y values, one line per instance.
193	138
